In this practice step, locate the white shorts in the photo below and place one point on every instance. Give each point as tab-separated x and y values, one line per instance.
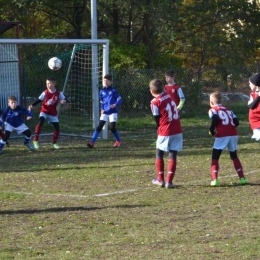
172	142
256	134
229	142
49	118
21	128
110	118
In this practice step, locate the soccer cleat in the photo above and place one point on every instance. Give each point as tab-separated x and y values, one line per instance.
243	181
29	145
90	144
117	143
169	185
214	183
36	144
159	183
56	146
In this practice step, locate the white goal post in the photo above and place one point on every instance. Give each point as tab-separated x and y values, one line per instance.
95	74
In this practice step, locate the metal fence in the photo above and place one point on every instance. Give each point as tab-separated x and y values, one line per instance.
133	85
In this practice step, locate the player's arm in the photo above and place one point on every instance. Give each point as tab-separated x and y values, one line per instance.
182	99
214	123
252	103
236	121
156	119
38	101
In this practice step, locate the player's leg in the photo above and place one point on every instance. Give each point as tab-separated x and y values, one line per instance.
159	167
238	167
56	134
27	137
37	131
2	136
116	134
171	168
174	145
215	166
4	140
97	132
113	119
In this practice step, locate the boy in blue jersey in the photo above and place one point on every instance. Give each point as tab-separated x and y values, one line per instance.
12	117
110	100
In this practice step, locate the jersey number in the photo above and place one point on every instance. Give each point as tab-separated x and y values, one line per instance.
172	111
226	117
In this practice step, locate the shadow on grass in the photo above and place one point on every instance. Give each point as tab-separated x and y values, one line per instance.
63	209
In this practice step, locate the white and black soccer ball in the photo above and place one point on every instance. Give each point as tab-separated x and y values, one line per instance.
54	63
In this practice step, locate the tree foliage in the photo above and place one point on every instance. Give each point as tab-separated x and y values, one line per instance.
149	33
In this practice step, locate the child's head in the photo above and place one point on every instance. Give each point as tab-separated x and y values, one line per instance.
215	98
108	80
169	76
254	82
50	83
156	87
12	102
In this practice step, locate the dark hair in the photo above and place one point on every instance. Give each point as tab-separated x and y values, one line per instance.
169	73
156	86
51	79
108	76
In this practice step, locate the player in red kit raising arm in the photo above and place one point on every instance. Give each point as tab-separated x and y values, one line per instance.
50	98
169	132
223	127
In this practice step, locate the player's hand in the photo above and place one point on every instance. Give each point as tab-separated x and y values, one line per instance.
102	111
63	101
212	133
112	106
30	107
28	117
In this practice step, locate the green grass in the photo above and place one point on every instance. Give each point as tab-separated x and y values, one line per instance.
79	203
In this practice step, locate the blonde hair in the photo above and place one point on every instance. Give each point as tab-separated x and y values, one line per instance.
216	97
156	86
12	98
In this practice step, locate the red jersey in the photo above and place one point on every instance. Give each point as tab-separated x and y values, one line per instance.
169	120
50	102
225	126
254	114
175	92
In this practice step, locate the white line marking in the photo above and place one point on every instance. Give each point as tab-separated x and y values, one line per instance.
120	192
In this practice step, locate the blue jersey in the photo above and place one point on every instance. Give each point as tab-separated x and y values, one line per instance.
109	96
14	117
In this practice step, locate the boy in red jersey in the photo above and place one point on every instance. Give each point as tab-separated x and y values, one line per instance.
254	106
50	99
173	89
169	132
223	127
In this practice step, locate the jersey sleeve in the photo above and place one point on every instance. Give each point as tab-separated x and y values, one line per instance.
61	96
180	94
42	96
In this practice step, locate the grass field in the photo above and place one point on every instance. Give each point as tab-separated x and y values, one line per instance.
80	203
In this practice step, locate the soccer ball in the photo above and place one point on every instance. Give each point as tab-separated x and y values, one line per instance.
54	63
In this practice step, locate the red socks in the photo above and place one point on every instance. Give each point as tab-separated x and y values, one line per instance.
37	132
214	169
238	167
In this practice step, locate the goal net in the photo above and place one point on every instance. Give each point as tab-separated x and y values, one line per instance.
84	63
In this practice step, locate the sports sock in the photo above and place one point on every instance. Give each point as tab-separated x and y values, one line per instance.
38	129
117	136
171	170
2	144
238	167
95	136
55	136
159	165
26	140
214	169
2	134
